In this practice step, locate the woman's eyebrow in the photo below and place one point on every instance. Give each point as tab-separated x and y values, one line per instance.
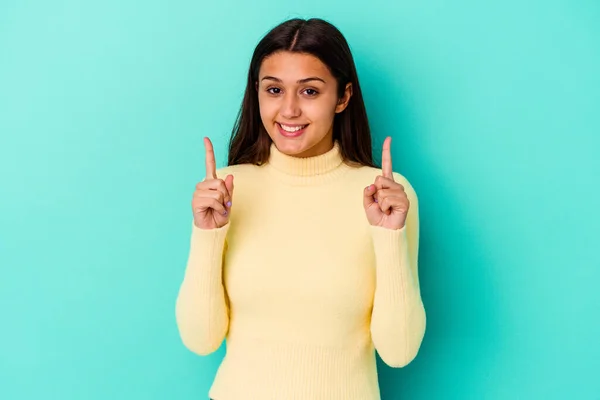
305	80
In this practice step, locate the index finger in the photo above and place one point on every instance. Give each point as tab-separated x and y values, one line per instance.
211	165
386	159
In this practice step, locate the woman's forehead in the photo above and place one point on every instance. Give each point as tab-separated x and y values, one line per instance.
291	67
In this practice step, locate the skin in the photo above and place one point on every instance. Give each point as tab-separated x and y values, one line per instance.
287	95
212	199
385	201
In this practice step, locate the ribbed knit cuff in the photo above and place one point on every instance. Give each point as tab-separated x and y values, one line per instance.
206	253
202	310
392	262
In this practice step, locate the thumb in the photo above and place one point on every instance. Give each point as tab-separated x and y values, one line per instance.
368	198
229	184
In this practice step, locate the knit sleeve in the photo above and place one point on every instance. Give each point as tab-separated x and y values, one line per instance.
398	317
202	309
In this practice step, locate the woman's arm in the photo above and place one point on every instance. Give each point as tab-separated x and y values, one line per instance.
202	309
398	319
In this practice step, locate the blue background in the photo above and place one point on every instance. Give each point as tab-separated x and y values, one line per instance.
494	110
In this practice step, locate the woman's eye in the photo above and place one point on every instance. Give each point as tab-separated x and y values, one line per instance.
276	90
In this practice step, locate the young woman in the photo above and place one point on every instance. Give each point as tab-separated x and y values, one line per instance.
309	265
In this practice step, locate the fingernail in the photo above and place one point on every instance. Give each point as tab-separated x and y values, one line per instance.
376	201
225	212
229	204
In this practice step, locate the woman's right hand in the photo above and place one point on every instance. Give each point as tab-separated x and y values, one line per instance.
211	203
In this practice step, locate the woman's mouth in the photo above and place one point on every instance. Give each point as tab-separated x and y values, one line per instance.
291	131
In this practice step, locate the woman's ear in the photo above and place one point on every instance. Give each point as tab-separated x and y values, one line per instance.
345	99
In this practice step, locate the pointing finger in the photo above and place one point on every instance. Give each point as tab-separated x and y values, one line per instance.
211	165
386	159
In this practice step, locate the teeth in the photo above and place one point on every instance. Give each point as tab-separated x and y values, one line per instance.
292	128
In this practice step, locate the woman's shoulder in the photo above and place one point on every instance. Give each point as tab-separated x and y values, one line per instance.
365	175
238	169
370	173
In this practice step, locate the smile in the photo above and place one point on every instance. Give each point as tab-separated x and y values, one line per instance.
291	130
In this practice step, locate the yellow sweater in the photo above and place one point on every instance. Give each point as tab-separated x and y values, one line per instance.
299	284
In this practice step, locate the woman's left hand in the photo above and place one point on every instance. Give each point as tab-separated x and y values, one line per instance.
385	201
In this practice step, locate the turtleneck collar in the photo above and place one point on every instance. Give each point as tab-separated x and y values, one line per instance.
309	169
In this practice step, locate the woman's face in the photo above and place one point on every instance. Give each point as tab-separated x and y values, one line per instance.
298	100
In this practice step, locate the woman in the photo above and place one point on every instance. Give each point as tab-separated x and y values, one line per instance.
310	264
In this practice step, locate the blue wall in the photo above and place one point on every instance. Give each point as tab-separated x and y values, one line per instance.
494	109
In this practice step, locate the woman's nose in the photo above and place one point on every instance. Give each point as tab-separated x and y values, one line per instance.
290	107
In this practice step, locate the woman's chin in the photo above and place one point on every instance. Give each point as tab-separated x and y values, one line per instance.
300	146
290	147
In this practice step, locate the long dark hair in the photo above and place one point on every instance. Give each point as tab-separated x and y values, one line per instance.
250	143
